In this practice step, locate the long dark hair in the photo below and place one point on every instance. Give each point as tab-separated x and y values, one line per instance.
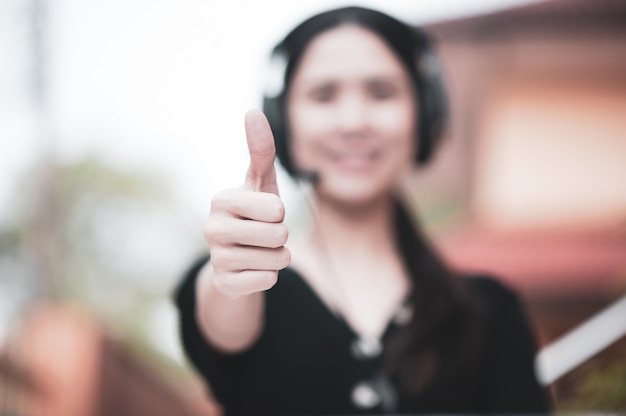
441	342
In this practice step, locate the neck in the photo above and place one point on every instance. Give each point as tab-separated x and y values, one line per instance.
356	266
355	229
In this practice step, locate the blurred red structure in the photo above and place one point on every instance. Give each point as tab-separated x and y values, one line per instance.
62	362
538	146
536	166
547	264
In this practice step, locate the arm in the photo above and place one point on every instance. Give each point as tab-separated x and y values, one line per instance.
229	324
246	237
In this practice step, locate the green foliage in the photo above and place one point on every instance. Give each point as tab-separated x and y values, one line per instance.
90	233
602	387
605	389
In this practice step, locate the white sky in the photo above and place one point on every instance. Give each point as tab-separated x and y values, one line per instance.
158	84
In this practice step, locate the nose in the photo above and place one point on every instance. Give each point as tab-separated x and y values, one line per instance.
352	115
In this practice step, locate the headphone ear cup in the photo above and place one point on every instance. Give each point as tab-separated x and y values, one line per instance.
431	96
274	105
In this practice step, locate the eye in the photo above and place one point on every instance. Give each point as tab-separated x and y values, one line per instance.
323	93
382	90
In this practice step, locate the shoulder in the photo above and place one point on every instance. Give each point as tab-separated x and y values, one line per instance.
510	349
491	290
504	307
505	313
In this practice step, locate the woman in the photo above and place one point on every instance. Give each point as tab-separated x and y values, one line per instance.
359	315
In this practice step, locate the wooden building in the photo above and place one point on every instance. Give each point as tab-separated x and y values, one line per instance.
531	183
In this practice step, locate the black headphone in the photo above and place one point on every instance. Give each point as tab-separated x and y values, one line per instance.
430	92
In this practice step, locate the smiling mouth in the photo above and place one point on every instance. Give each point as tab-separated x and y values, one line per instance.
356	161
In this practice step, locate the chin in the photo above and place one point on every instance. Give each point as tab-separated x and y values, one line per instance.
355	192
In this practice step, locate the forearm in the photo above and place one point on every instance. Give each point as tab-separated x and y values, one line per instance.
229	324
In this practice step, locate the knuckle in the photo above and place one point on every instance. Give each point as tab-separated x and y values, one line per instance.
277	210
284	258
277	236
223	200
268	279
220	259
218	201
210	232
280	211
282	234
223	231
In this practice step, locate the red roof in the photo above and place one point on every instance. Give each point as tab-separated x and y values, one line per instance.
542	14
564	264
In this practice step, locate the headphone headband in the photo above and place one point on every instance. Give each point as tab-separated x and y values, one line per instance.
425	71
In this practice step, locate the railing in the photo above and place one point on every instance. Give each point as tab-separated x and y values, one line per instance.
580	344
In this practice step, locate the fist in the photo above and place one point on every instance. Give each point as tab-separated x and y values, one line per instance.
245	230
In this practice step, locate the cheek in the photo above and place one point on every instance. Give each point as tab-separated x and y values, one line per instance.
305	120
400	124
308	124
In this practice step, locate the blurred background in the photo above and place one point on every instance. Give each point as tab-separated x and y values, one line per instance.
119	120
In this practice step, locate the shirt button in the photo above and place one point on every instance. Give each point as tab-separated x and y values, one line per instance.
363	348
403	315
365	396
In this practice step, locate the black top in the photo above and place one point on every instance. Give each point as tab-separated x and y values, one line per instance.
304	362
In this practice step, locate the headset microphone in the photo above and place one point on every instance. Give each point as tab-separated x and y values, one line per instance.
309	176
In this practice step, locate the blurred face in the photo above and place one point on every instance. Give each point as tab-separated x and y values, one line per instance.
351	108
